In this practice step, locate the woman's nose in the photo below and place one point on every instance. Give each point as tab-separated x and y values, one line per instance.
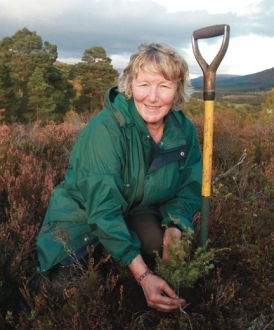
153	94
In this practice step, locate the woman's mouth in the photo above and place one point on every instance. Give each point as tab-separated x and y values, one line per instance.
150	107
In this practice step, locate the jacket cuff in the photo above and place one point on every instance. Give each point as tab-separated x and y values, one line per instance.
182	223
127	258
173	225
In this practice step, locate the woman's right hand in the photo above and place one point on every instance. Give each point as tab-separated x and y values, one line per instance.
159	294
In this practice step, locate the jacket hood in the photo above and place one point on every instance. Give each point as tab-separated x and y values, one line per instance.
124	110
111	96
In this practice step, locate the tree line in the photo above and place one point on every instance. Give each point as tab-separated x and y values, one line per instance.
34	88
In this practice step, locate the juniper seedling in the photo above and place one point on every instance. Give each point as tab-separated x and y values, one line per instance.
184	266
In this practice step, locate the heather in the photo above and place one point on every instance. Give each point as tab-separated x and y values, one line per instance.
237	292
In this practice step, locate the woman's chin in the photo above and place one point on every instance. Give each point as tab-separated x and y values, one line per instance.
153	120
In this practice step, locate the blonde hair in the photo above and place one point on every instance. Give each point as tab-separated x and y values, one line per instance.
166	61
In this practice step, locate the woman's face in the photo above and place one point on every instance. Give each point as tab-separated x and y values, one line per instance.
153	95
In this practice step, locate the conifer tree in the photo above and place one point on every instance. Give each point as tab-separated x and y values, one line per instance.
40	98
22	54
8	99
95	75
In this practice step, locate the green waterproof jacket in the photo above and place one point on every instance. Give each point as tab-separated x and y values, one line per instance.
109	177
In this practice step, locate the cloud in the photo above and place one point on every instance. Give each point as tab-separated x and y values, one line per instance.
120	26
120	61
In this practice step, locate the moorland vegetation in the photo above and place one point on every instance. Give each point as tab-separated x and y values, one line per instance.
37	133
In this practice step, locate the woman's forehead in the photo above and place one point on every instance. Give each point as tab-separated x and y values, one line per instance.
152	68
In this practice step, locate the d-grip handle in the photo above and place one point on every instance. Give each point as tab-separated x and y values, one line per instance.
209	71
209	32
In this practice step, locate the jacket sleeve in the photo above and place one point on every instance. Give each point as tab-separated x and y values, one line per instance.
97	162
181	208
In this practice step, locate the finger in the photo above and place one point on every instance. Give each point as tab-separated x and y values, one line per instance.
164	300
166	308
167	291
165	255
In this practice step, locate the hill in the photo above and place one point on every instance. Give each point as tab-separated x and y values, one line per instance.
260	81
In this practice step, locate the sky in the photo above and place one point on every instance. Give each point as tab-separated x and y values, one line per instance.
120	26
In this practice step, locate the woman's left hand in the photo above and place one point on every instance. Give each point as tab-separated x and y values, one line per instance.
171	235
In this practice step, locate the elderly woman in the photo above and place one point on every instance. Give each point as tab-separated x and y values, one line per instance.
134	169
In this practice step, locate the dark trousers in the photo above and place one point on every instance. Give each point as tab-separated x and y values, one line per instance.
148	228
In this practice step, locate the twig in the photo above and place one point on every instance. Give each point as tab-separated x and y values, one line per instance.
182	310
268	325
241	160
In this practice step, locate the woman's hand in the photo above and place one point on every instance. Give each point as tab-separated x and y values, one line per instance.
158	293
171	235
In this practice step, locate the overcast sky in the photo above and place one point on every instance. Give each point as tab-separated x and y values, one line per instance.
119	26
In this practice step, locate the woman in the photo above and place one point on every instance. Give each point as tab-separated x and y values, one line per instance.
134	169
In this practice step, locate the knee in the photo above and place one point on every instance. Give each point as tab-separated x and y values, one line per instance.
152	244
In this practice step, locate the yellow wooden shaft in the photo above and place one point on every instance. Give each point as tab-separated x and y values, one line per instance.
207	147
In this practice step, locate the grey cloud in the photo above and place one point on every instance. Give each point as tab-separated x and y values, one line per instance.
261	22
120	26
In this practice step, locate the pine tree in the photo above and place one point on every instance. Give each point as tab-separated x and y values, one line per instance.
40	98
22	54
95	75
8	99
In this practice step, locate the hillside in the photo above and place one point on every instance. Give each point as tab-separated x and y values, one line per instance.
260	81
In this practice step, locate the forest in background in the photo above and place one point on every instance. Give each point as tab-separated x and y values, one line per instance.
34	87
35	143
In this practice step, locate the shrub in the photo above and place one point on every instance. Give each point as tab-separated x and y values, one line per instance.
185	265
236	294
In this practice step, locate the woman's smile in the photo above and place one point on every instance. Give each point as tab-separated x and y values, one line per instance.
153	95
